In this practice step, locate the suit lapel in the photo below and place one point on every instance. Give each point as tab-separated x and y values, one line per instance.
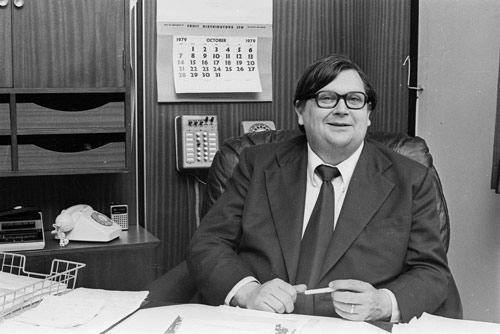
367	191
286	187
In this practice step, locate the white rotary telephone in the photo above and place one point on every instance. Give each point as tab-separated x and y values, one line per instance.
82	223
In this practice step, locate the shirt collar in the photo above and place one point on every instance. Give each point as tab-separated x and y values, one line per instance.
346	167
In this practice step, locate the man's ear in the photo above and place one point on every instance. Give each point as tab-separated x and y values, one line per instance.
298	111
369	119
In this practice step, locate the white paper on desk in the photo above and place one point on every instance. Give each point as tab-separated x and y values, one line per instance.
17	291
431	324
62	311
204	319
10	282
118	305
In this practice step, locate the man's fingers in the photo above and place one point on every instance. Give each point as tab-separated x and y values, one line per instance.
299	288
287	296
357	300
347	311
350	285
275	296
279	305
346	297
274	302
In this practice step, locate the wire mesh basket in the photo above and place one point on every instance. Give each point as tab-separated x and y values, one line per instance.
21	289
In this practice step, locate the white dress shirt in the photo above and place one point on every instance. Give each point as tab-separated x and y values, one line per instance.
340	184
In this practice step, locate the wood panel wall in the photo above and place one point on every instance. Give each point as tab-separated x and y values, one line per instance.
374	33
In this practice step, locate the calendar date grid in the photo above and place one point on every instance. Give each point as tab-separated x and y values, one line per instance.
217	60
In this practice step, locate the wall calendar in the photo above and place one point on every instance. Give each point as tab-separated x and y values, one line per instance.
208	64
215	51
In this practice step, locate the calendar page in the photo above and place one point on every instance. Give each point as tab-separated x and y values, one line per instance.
211	64
214	51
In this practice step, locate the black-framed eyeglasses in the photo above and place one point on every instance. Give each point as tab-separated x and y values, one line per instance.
328	99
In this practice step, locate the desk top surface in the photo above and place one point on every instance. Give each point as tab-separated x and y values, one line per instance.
135	237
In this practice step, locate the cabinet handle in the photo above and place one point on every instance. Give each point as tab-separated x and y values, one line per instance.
4	3
18	3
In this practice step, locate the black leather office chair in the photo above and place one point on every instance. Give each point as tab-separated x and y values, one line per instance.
176	286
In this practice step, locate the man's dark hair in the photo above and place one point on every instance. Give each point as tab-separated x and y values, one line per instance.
325	70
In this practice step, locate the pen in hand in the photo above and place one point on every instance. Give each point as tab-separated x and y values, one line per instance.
317	291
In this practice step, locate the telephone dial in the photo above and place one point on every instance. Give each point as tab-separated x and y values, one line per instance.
82	223
256	126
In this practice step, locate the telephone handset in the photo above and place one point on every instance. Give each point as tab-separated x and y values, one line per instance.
82	223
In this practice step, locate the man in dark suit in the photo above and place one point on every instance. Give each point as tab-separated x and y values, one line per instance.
385	260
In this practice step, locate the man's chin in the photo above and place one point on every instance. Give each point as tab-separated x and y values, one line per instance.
340	139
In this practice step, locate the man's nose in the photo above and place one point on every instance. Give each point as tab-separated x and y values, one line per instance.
341	107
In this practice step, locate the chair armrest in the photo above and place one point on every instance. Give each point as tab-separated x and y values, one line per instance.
175	286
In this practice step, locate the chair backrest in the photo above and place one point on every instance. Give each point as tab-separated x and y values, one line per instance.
228	156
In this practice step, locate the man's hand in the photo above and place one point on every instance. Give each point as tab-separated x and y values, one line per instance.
358	300
275	296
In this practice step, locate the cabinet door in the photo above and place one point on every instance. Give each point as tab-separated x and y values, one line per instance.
69	43
6	46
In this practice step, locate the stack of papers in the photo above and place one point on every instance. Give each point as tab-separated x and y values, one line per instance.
10	282
17	291
431	324
76	312
82	310
196	319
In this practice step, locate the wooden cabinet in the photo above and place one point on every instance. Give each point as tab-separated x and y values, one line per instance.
6	45
65	43
64	87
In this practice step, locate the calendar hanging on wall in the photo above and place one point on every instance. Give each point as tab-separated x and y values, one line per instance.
203	55
215	64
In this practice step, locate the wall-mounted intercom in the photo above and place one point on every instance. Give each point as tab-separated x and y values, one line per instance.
197	141
119	214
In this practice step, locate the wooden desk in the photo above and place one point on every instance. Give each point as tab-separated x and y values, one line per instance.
126	263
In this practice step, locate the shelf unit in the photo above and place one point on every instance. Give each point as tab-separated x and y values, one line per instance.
64	87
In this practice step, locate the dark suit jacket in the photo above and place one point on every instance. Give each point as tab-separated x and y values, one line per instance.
386	234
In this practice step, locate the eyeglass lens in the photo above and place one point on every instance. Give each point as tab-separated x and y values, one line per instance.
353	100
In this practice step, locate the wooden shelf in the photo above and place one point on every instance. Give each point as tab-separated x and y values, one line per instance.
50	91
6	172
66	131
34	158
135	237
9	90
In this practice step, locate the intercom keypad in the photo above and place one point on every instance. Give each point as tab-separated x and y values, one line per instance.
197	141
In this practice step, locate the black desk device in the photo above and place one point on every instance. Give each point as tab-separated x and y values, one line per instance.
21	228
